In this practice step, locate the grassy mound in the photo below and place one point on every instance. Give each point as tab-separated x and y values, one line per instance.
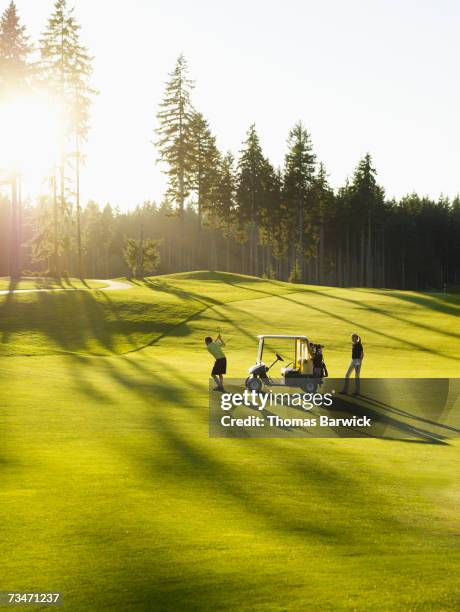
405	333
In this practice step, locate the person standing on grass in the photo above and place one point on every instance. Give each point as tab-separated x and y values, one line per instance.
220	365
357	356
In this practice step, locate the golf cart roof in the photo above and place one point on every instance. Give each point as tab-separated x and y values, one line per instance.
293	337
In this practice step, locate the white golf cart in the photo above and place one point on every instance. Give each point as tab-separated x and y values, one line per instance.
306	371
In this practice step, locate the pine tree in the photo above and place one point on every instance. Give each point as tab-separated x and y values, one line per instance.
366	198
81	93
323	211
141	256
204	164
275	224
225	210
65	68
15	73
15	50
251	191
175	135
298	181
41	242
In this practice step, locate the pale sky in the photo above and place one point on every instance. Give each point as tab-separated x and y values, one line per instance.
363	75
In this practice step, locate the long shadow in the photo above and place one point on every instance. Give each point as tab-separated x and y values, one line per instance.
159	285
381	421
354	324
188	460
80	321
224	474
445	303
404	413
385	313
180	328
345	407
7	304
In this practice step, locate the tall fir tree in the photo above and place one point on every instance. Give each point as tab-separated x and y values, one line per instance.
175	141
80	93
15	79
322	214
225	210
251	191
175	134
204	182
15	50
204	164
366	200
65	67
299	175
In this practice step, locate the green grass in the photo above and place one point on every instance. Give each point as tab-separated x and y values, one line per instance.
48	283
112	492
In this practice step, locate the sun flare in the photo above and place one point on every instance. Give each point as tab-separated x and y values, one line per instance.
29	136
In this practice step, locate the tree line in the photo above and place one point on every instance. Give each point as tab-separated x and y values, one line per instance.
221	211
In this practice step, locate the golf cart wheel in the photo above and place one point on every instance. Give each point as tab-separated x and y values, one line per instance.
310	387
253	383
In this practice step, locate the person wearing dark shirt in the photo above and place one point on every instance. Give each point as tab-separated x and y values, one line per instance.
357	355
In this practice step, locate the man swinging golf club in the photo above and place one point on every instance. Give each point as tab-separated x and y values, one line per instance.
357	356
220	365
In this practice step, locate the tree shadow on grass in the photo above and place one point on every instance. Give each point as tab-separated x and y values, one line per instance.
80	321
189	460
303	496
360	325
159	285
445	303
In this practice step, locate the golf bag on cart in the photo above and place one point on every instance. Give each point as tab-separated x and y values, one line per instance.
319	366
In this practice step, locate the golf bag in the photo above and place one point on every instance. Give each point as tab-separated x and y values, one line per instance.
319	366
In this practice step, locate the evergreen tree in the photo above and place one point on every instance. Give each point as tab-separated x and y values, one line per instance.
298	181
41	242
65	68
15	72
175	134
204	164
141	256
204	177
251	191
323	212
81	93
15	50
225	212
366	198
276	222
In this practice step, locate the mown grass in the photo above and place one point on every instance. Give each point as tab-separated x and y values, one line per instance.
112	491
8	284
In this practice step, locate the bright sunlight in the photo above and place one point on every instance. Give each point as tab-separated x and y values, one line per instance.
30	129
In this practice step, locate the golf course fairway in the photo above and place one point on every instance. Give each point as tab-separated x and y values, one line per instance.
113	494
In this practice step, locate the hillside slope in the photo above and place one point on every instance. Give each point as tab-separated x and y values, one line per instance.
405	333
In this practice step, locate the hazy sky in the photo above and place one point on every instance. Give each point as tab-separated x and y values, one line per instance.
363	75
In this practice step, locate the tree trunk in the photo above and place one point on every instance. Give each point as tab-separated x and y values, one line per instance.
369	259
383	258
348	260
321	255
301	266
403	269
56	271
14	239
140	256
77	200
